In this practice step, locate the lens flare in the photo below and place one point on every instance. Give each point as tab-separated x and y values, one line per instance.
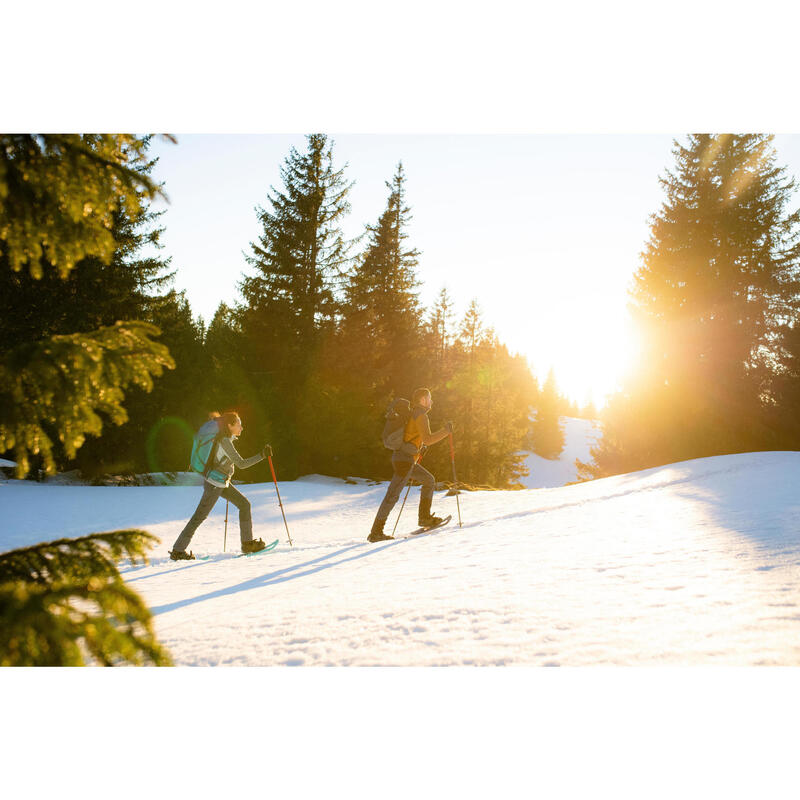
151	445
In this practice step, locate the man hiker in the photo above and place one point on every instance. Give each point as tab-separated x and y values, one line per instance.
417	433
223	458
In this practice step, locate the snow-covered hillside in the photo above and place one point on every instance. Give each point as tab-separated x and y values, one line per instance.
580	435
694	563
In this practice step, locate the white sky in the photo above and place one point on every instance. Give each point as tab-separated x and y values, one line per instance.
544	230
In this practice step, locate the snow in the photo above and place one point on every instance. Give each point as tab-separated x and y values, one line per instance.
580	435
696	563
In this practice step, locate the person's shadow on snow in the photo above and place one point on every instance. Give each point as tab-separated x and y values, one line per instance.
282	575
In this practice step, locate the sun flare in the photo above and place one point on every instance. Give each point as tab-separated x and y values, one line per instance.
589	351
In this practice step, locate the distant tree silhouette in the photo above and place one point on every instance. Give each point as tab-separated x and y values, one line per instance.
547	430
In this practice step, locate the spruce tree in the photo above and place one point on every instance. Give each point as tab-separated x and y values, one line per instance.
487	393
440	333
375	351
59	197
717	281
72	335
300	261
64	603
471	335
158	434
381	307
547	432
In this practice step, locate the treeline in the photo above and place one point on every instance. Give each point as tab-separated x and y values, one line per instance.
716	301
327	332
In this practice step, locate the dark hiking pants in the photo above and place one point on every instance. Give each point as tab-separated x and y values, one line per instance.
210	496
401	467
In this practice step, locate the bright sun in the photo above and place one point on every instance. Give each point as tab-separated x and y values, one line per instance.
590	351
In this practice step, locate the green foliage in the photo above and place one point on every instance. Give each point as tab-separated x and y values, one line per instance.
67	201
301	253
75	559
486	392
64	603
65	356
161	422
59	194
58	387
291	303
378	332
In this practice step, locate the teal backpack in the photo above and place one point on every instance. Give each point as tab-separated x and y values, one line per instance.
204	447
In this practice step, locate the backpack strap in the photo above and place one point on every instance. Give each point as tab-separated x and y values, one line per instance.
212	455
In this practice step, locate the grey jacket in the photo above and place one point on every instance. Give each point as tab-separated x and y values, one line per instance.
226	461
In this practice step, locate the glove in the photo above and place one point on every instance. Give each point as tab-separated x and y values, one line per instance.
266	451
449	427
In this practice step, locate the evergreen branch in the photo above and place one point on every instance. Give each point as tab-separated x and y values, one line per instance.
59	195
62	383
81	559
101	621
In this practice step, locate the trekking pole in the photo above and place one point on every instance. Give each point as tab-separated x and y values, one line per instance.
225	539
277	491
417	459
455	480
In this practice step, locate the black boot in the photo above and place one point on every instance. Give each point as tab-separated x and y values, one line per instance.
181	555
377	534
425	518
254	546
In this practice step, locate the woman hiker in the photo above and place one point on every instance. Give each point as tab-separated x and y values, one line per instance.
224	459
417	433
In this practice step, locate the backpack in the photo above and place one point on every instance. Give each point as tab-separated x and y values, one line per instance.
204	447
397	416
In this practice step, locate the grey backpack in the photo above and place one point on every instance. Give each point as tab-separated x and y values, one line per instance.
397	416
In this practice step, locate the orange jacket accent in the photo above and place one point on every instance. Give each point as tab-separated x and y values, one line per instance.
417	427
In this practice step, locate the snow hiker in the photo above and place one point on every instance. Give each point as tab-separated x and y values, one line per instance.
416	434
218	470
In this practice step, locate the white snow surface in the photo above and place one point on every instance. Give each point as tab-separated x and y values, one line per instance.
692	563
580	435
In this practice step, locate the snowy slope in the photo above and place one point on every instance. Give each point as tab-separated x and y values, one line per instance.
694	563
580	435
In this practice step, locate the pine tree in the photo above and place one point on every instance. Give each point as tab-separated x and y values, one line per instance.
300	261
58	199
380	316
232	382
470	336
59	195
718	279
440	331
547	432
65	354
488	395
301	255
158	434
64	603
376	350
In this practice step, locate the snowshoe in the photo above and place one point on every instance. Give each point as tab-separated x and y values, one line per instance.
181	555
378	536
254	546
429	528
431	521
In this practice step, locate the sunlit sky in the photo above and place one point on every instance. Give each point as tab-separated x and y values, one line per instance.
545	231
